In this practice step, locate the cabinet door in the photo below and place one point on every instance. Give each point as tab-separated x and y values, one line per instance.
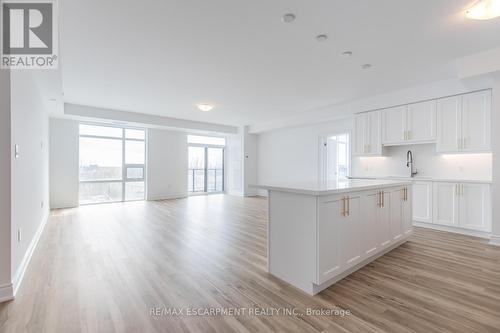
359	134
422	201
474	206
370	214
373	133
445	206
421	122
396	218
384	222
350	232
330	217
407	212
476	121
394	125
448	124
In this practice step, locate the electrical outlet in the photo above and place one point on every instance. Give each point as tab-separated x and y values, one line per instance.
19	235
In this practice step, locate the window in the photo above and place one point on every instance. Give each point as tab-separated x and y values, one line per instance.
335	155
112	164
206	164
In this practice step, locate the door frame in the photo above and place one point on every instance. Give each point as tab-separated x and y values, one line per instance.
323	153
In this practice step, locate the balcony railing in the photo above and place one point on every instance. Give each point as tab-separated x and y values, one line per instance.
214	180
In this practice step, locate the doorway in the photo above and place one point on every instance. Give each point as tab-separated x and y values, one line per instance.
335	157
206	164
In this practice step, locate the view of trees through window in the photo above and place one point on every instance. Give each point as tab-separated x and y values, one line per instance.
206	164
112	164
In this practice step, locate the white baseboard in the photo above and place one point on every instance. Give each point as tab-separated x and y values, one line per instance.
18	277
6	293
461	231
495	240
168	197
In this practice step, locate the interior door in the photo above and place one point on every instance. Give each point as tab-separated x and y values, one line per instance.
421	121
394	125
330	217
445	204
473	206
350	229
476	121
449	124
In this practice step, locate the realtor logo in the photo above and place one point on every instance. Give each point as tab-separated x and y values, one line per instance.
29	39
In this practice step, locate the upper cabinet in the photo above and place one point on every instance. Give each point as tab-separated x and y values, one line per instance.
409	124
464	123
367	134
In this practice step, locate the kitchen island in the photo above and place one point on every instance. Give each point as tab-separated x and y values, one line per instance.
320	233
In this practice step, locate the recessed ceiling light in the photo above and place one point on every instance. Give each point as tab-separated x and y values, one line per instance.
346	54
205	107
484	10
287	18
321	38
366	66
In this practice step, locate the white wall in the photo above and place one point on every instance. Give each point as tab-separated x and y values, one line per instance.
234	165
167	164
30	172
292	155
250	162
64	160
495	189
428	164
5	187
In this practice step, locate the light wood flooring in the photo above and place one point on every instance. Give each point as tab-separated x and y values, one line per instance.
104	268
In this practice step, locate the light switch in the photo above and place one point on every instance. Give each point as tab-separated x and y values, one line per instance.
16	151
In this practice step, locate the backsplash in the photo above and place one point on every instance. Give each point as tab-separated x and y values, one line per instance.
427	162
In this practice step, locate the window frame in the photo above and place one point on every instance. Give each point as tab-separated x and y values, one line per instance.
124	179
205	169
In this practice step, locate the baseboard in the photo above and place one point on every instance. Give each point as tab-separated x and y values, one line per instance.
18	277
6	293
461	231
495	240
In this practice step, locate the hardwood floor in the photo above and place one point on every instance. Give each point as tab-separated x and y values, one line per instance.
106	268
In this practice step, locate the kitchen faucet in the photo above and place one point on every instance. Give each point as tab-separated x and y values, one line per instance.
409	163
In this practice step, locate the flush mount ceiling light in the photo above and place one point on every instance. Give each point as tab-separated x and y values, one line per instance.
321	38
366	66
205	107
346	54
288	18
484	10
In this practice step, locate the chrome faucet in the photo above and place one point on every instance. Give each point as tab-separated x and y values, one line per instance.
409	163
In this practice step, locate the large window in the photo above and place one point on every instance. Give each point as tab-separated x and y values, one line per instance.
112	164
206	164
335	156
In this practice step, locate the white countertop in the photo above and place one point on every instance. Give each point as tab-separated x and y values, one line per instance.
336	187
428	179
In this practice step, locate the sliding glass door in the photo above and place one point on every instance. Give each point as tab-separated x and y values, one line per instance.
206	164
112	164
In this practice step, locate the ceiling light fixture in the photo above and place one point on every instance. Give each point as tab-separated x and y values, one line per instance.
484	10
366	66
321	38
346	54
205	107
288	18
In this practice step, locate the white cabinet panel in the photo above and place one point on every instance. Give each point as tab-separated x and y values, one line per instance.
407	211
421	122
330	212
476	121
370	215
367	134
445	205
422	201
475	206
384	223
350	229
394	125
448	123
396	219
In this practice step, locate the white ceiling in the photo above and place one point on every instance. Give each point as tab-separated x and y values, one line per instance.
162	57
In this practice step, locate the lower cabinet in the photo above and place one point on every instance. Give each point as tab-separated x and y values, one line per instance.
422	201
354	227
464	205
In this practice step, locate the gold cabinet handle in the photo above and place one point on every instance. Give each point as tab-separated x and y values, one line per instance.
348	206
383	198
343	206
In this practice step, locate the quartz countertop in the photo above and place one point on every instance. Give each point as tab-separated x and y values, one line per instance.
334	187
424	178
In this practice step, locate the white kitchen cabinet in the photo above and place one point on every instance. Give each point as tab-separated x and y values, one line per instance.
350	229
445	205
329	263
409	124
421	122
422	201
367	141
376	214
401	212
474	206
464	123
